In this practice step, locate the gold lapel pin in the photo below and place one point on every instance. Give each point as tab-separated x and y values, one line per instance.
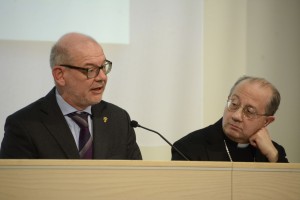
105	119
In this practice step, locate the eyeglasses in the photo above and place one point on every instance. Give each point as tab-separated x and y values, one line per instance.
248	111
92	72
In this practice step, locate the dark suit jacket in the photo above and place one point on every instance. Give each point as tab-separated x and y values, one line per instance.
207	144
40	131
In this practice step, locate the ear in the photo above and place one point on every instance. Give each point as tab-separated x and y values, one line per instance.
269	120
58	75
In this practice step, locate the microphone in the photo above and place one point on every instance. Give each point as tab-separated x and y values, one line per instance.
135	124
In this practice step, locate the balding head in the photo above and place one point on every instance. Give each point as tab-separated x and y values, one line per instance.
273	102
68	45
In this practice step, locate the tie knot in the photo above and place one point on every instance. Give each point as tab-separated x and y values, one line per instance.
81	119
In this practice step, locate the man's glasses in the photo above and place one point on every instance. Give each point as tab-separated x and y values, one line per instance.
248	111
92	72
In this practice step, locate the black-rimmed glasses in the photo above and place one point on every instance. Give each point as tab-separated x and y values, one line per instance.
92	72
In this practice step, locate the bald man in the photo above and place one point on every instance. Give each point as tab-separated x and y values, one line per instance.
45	129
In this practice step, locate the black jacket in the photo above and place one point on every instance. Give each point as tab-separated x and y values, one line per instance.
40	131
207	144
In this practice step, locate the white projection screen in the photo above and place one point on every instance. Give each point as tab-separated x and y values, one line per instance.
46	20
155	47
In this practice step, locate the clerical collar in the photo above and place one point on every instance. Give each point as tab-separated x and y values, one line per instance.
239	145
233	143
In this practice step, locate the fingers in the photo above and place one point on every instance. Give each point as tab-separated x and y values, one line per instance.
253	142
262	140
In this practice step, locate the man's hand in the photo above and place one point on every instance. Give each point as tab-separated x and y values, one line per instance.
262	140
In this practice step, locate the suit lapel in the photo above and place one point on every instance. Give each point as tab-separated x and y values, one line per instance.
55	122
100	120
215	143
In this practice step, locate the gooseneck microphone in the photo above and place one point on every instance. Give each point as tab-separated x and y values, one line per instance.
135	124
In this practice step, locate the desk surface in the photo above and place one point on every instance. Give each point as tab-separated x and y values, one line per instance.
115	179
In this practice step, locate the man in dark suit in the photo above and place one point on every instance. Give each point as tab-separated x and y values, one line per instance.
241	134
45	128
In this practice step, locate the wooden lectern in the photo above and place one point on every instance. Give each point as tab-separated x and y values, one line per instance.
109	179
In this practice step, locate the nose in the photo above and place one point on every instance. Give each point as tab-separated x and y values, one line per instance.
238	114
101	76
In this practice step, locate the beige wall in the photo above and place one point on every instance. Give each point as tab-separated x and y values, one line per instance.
224	52
254	37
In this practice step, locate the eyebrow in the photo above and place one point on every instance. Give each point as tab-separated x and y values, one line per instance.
247	105
234	96
92	64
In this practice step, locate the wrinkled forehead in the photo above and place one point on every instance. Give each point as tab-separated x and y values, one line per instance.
253	93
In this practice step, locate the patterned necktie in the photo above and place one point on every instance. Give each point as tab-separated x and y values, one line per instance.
85	139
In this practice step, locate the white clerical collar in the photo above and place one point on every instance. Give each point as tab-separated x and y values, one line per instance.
239	145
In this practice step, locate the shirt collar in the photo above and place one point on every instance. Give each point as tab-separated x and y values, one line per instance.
239	145
233	143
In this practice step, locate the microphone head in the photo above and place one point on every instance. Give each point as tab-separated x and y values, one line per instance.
134	124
